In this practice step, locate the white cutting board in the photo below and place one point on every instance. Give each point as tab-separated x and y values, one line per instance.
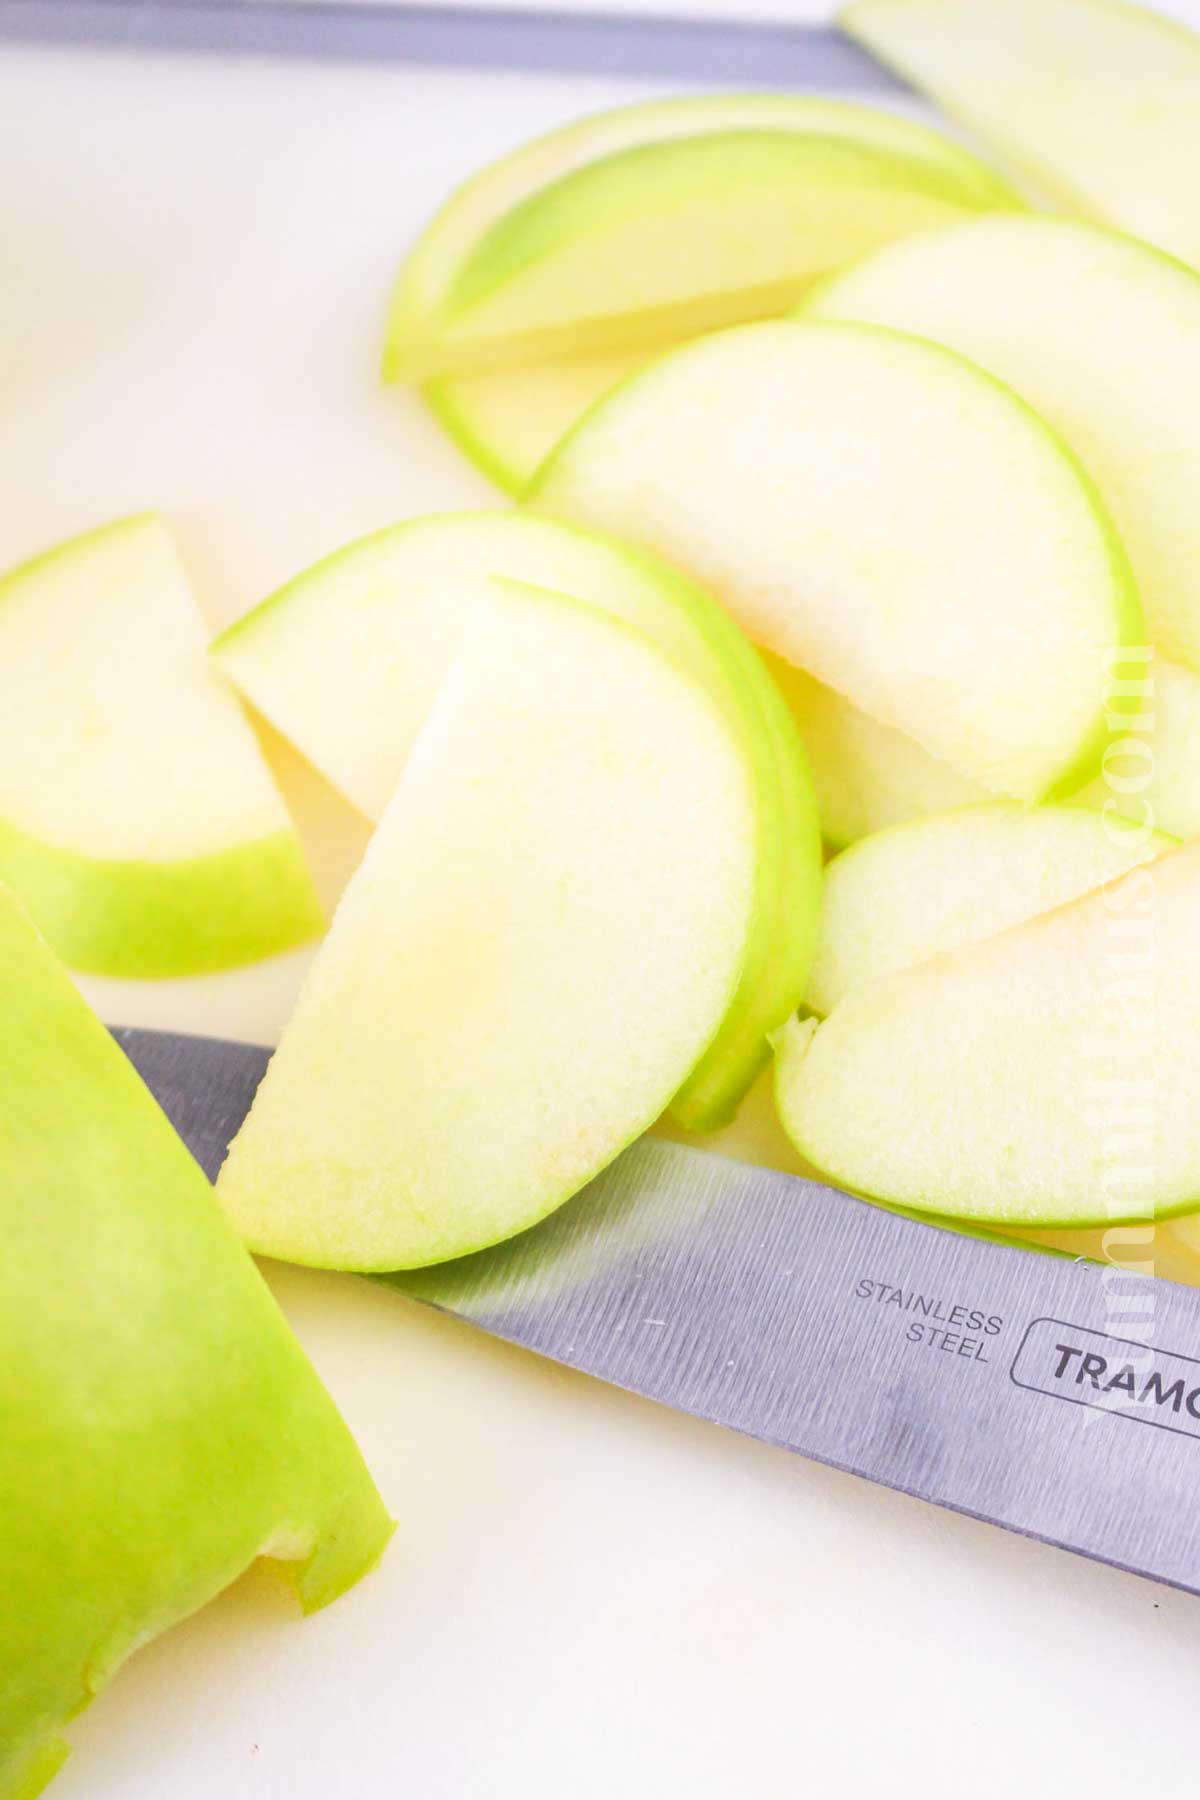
587	1596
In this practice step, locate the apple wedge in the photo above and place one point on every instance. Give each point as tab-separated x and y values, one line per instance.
1097	102
877	511
1049	1076
671	238
939	883
347	660
1052	308
507	421
138	821
160	1427
543	938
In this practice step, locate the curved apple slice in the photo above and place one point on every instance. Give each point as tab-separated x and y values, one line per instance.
1099	103
347	660
1053	308
940	883
668	239
544	936
138	821
838	487
160	1427
1049	1076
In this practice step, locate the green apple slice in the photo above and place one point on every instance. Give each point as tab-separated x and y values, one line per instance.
160	1427
667	239
347	660
543	938
1049	1076
1095	101
877	511
138	821
1054	308
939	883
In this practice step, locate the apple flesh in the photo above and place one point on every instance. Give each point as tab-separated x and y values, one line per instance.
995	1083
838	488
953	879
348	659
138	821
160	1427
543	938
1096	102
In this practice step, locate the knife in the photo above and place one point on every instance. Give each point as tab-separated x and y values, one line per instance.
980	1376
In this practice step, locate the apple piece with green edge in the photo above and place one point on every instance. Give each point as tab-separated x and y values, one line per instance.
1095	101
668	239
160	1427
939	883
837	487
1051	308
544	936
347	660
139	823
969	1085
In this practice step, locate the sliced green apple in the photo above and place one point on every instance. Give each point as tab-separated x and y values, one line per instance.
138	821
938	883
347	660
1054	309
1049	1076
544	936
160	1427
877	511
667	239
1095	101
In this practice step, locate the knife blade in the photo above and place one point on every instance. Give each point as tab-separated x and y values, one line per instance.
1037	1393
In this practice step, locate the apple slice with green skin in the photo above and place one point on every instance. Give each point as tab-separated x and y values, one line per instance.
347	660
671	238
160	1427
507	422
1096	101
1052	307
839	488
939	883
138	820
543	938
996	1083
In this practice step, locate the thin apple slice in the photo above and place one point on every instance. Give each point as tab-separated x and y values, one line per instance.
1049	1076
347	660
1099	103
1054	308
942	882
160	1427
138	820
668	239
543	938
839	488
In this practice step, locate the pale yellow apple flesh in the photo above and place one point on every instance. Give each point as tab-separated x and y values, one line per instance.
347	660
1095	101
839	488
1049	1076
138	820
935	885
543	938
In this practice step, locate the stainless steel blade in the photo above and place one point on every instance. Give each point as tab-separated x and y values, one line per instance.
1003	1384
569	42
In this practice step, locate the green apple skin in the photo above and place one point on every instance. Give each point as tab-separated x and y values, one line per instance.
1095	102
669	239
160	1427
544	936
969	1086
789	474
144	833
347	660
